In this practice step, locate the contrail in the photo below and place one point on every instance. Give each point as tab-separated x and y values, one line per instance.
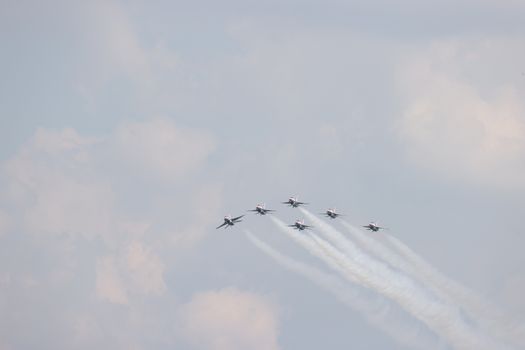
494	320
311	247
439	316
380	250
378	314
409	262
442	318
392	258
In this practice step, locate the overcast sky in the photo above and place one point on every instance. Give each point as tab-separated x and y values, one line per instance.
128	129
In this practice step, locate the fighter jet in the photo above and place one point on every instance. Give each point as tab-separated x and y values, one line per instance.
229	221
293	202
374	227
331	213
261	209
299	225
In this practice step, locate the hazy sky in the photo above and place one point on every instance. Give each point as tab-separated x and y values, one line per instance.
130	128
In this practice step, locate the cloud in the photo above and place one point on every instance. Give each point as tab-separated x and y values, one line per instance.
109	285
230	319
160	148
59	141
112	50
459	125
60	181
145	269
112	47
96	227
53	182
136	270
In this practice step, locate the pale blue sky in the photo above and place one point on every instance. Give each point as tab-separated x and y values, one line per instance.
129	129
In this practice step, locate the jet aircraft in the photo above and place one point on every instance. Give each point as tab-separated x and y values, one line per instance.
299	225
229	221
293	202
374	227
331	213
261	209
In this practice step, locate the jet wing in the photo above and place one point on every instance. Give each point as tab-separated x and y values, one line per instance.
237	218
225	223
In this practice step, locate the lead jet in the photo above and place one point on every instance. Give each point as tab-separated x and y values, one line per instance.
229	221
293	202
373	227
261	209
331	213
299	225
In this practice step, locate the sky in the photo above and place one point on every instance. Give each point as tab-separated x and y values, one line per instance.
129	129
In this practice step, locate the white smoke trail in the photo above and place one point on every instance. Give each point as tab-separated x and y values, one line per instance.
493	320
411	263
429	273
310	246
439	316
380	250
392	258
378	314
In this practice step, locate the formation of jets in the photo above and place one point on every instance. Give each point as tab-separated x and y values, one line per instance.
260	209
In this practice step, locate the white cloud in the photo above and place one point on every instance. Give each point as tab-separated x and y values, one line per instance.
145	269
64	205
230	319
109	285
54	141
60	181
53	181
461	126
113	48
113	51
135	270
63	183
160	148
119	41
